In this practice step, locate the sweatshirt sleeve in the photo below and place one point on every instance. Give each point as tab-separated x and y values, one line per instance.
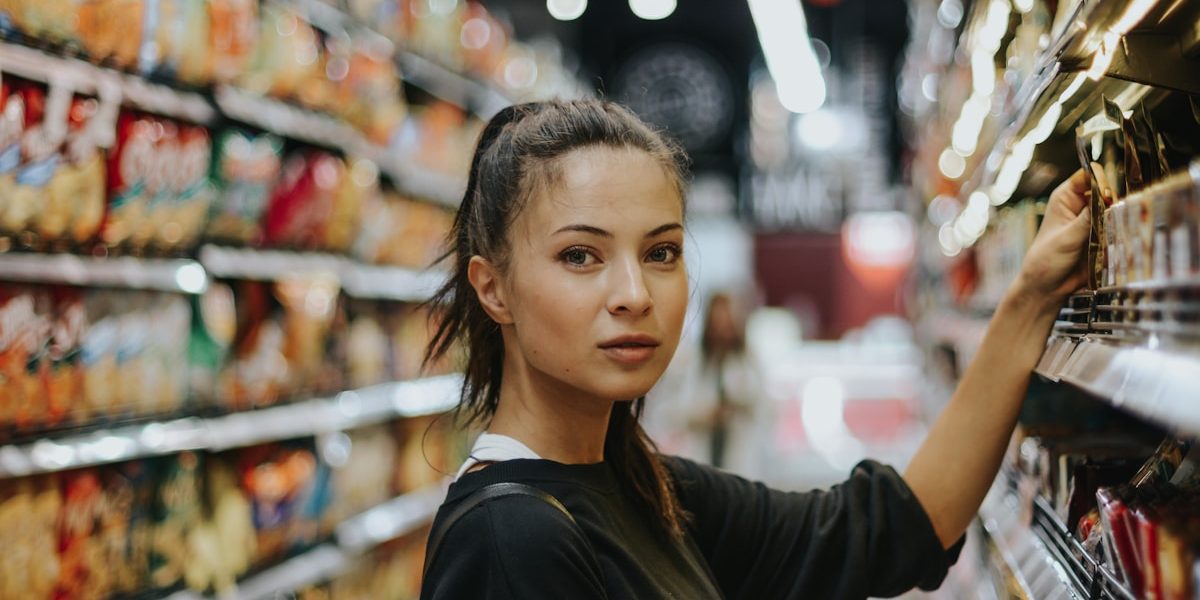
514	548
868	536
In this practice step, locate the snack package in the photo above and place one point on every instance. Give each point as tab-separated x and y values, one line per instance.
159	177
98	355
45	126
367	345
25	333
190	56
257	372
82	573
75	197
64	380
246	167
137	378
12	124
370	96
357	187
126	524
29	512
363	473
130	177
224	545
301	205
233	27
309	308
213	329
275	479
166	353
111	30
193	190
285	56
1119	543
177	510
50	20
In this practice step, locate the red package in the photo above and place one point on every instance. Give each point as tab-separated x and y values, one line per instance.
81	574
128	165
1147	536
1119	542
302	203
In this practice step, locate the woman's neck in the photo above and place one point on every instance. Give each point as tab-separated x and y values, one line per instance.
554	420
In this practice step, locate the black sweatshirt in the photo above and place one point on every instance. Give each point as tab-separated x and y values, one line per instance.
865	537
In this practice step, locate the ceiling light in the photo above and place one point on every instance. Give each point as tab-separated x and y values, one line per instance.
652	10
783	35
566	10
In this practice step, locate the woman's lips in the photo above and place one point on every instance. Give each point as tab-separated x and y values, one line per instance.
630	349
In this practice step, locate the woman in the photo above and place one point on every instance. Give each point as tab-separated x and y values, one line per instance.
569	292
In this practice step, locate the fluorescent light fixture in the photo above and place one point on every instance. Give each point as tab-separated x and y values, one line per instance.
566	10
652	10
783	35
820	130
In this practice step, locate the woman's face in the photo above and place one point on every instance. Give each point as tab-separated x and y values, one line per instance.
596	283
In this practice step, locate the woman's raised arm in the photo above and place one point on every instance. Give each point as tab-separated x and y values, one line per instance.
955	466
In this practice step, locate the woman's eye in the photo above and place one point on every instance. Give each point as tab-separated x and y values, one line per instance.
576	257
664	254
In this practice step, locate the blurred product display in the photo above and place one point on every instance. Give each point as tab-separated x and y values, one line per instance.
1033	91
218	222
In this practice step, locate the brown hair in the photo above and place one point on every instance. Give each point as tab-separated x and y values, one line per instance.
517	154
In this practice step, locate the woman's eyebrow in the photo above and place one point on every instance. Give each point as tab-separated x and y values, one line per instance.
596	231
661	229
584	229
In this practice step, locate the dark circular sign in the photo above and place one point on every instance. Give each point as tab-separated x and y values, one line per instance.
681	88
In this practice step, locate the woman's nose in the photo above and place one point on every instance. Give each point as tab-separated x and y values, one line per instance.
629	293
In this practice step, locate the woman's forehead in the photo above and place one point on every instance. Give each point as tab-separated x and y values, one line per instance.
610	185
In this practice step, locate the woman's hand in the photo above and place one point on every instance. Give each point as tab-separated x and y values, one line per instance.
1053	266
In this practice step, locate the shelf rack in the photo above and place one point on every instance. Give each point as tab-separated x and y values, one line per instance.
168	275
388	521
357	279
347	410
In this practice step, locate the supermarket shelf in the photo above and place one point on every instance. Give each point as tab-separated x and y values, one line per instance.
1037	572
451	86
357	279
85	77
390	520
186	276
347	410
292	121
1083	569
1153	55
1157	384
436	187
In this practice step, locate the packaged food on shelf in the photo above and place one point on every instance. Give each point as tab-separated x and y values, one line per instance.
359	184
246	168
24	334
133	176
29	513
435	34
42	133
392	571
232	31
50	20
76	196
280	481
176	511
110	31
223	544
285	55
280	349
303	200
363	469
399	231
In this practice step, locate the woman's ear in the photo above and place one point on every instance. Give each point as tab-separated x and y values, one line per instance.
485	278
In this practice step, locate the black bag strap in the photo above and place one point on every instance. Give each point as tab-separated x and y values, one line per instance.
489	492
